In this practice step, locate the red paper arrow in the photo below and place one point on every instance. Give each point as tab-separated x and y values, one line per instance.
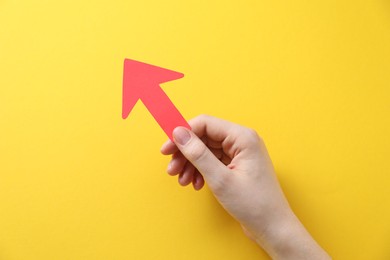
142	81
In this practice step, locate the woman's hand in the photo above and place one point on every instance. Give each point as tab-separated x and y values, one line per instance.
235	164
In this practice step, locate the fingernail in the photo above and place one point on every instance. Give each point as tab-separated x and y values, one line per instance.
181	135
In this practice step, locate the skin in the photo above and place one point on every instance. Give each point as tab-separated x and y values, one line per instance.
234	162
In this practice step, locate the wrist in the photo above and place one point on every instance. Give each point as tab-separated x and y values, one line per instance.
286	238
277	233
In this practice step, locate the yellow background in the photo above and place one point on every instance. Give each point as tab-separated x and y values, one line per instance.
78	182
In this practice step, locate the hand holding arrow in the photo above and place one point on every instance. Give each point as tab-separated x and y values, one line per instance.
142	81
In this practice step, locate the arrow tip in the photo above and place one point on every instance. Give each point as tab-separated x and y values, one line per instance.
139	78
147	73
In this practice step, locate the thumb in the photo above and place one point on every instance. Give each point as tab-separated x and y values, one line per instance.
212	169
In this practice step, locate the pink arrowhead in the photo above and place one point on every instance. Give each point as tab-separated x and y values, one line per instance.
142	81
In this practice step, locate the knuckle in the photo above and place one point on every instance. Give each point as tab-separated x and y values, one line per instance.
199	120
252	136
202	118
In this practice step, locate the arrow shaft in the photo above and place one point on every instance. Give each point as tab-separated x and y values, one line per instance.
163	110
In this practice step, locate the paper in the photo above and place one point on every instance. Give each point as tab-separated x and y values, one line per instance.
142	81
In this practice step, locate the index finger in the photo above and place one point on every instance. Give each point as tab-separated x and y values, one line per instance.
213	128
